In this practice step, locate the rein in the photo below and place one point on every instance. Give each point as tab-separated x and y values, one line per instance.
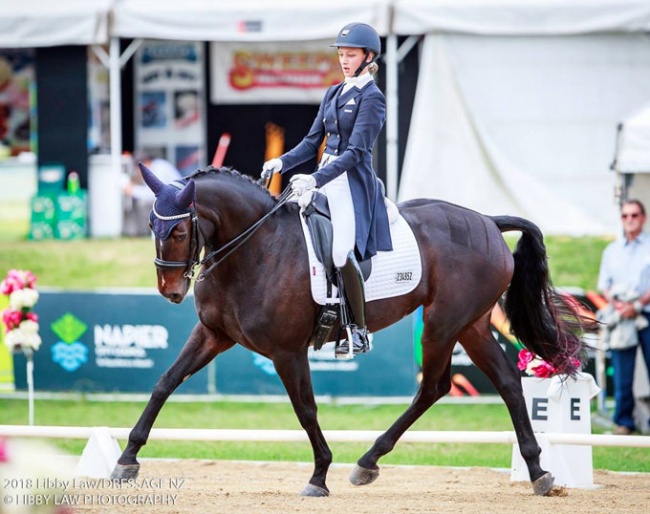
231	246
241	238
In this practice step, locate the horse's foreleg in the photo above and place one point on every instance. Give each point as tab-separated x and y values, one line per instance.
201	347
436	382
293	369
485	352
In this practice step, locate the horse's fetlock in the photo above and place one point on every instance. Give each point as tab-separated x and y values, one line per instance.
137	440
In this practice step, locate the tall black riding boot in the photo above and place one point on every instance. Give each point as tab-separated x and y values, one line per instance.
351	278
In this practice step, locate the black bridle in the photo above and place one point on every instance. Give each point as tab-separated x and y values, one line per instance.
193	259
232	245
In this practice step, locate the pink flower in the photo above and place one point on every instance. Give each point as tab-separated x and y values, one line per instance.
534	365
32	316
17	279
12	319
544	370
525	356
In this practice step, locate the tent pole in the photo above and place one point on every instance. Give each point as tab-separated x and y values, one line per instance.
391	116
115	104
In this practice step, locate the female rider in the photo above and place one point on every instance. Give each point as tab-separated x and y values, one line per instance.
350	117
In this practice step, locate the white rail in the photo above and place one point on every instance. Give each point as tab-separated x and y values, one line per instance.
358	436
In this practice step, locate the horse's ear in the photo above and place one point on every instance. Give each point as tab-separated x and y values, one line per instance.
154	183
185	196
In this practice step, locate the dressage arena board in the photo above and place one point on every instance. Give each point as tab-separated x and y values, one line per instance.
273	487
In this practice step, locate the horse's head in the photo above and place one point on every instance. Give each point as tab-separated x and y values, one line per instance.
174	224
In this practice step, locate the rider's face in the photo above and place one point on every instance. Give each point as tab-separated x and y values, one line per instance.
350	59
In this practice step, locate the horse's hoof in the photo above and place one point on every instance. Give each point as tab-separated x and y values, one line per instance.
125	472
314	491
543	485
363	476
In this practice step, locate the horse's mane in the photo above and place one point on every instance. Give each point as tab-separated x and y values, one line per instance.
230	171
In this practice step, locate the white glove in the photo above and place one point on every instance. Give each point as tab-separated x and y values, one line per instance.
305	199
270	167
300	184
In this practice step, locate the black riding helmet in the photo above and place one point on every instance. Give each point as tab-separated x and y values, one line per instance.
359	35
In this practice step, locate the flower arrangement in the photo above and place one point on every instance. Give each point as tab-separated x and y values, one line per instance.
534	365
21	324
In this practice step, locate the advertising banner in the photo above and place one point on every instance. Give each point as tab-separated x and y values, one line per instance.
105	342
170	102
288	73
124	341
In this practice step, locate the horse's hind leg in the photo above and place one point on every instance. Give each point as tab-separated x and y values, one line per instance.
487	355
293	369
436	382
201	347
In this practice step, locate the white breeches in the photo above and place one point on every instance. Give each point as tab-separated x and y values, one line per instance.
342	212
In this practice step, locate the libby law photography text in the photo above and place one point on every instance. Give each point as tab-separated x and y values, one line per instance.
80	491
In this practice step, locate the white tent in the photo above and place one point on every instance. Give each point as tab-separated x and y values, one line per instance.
38	23
633	143
243	20
632	156
518	102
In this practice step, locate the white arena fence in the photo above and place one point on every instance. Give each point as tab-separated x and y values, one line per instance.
339	436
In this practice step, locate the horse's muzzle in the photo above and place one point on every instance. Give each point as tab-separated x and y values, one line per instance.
175	297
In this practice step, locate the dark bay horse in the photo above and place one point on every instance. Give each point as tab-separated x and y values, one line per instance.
259	297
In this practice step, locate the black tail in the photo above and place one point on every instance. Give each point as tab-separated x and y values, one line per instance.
540	318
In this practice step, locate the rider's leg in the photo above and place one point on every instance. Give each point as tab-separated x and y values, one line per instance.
352	280
348	272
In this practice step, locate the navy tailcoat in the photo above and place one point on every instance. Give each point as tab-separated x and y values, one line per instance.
351	122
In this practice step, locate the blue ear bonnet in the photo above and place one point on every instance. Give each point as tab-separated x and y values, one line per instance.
166	212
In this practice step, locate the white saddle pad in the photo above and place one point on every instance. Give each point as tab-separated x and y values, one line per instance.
393	273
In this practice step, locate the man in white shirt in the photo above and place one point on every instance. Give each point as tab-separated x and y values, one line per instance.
625	274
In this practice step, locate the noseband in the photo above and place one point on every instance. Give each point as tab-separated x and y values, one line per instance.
193	259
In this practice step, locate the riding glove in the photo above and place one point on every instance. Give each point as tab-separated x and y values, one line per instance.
305	199
300	184
270	167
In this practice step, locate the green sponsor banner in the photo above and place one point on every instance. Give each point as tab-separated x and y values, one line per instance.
108	342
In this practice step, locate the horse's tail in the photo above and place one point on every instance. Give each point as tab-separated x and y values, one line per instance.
540	318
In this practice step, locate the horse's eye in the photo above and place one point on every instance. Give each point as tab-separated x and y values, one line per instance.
180	237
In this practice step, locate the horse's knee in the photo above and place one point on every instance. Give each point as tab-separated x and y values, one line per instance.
427	396
164	388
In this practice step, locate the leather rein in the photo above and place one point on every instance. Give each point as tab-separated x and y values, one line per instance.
194	259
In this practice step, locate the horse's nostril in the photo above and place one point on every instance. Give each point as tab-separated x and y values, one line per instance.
175	298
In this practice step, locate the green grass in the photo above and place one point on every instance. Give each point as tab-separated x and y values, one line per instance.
83	264
479	417
573	261
98	263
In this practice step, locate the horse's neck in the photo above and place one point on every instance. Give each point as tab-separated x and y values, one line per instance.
231	214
